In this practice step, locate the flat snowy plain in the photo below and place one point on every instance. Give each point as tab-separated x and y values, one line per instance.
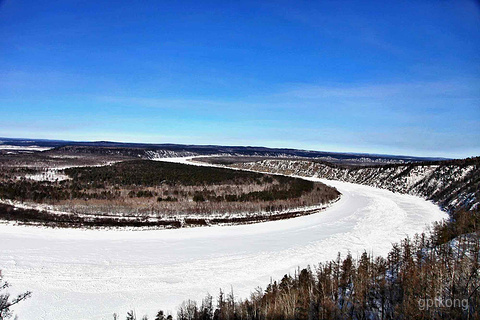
90	274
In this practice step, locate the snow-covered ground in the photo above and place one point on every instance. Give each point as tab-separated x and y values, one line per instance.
23	148
90	274
191	160
50	174
55	173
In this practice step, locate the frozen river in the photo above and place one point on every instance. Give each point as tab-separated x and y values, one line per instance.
90	274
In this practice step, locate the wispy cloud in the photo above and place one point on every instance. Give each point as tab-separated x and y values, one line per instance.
378	91
148	102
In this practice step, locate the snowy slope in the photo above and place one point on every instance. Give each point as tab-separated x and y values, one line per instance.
450	186
89	274
23	148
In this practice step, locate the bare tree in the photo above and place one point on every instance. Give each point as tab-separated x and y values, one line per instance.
131	315
6	302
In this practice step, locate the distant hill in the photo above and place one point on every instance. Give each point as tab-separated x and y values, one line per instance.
149	151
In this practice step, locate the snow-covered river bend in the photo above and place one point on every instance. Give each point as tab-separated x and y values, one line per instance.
90	274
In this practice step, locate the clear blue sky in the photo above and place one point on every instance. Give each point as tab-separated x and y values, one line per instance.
398	77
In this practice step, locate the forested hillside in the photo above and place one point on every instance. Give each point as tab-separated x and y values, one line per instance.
450	184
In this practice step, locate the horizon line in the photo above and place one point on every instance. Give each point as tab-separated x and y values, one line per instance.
220	145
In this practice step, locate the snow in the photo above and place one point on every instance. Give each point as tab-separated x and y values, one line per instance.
50	174
419	173
90	274
191	160
23	148
54	173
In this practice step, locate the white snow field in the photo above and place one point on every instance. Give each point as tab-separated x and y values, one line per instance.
23	148
90	274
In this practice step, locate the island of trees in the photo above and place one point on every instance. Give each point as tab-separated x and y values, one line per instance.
153	193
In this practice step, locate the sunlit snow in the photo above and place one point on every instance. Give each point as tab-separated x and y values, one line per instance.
90	274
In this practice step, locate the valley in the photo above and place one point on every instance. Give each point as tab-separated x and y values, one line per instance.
79	274
235	222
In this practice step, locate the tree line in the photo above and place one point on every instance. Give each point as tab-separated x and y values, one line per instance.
152	173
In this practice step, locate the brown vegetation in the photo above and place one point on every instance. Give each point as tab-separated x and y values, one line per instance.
143	189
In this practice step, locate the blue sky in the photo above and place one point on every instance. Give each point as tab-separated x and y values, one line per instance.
398	77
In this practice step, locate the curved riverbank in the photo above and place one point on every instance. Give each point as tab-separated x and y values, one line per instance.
79	274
